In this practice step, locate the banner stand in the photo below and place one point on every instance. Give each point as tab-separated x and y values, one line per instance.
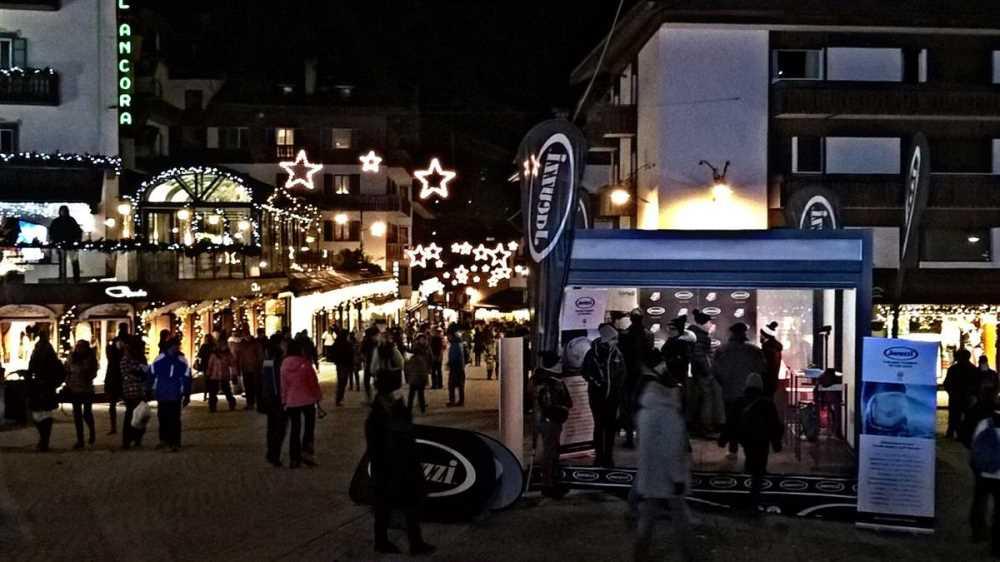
512	395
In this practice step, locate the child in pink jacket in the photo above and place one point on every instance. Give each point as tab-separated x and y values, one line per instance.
300	393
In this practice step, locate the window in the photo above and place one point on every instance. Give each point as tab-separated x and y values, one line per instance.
864	64
797	64
233	137
347	232
955	245
193	99
328	231
341	138
13	52
961	156
284	140
862	155
8	139
807	155
6	52
404	275
337	184
404	235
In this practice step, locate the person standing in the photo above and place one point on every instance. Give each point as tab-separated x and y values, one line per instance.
456	370
45	374
604	369
342	356
300	393
984	450
113	375
387	359
703	399
634	344
250	355
368	345
418	370
490	354
552	406
204	357
960	385
397	478
270	400
170	382
759	429
733	364
772	349
66	233
81	370
135	372
437	352
663	475
329	337
220	373
479	344
988	381
676	351
359	363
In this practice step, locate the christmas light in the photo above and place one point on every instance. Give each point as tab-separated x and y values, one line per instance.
462	274
481	253
420	255
370	162
96	160
340	218
124	209
378	229
441	188
300	171
184	214
110	222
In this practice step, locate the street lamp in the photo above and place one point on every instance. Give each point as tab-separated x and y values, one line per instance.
721	191
620	197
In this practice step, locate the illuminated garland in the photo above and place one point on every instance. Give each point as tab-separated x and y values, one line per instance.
21	71
96	160
132	245
66	331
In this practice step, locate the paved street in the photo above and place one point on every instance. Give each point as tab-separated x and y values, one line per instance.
217	499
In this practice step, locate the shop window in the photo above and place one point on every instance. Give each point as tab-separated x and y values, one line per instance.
8	138
797	64
807	155
955	245
328	231
233	138
341	138
284	141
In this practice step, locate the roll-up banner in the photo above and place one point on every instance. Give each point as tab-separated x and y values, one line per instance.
896	460
552	157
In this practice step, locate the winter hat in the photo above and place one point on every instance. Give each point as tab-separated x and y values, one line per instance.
550	361
680	322
700	317
755	381
635	313
770	330
739	328
607	331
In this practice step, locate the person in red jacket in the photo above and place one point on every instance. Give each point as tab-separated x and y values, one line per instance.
300	393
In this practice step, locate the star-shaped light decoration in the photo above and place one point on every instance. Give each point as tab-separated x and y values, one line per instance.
420	255
461	274
426	189
430	286
499	256
370	162
498	274
481	253
300	171
463	249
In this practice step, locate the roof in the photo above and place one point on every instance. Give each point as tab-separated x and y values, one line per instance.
636	26
327	280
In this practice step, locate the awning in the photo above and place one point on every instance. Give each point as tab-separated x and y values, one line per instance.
189	290
506	300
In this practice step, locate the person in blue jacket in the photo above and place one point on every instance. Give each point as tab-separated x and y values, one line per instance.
171	385
456	369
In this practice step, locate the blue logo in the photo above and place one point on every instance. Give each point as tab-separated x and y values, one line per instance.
585	302
900	353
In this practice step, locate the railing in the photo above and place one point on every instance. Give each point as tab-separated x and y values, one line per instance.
947	191
30	4
387	203
285	151
607	120
829	98
32	86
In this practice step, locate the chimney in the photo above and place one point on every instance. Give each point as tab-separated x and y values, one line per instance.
310	76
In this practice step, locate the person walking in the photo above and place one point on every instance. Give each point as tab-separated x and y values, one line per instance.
270	400
663	475
733	364
329	338
418	370
985	462
490	355
960	385
604	370
772	349
250	356
300	393
456	370
45	374
135	372
437	364
988	379
170	383
359	363
479	344
220	373
66	233
204	357
552	406
387	360
397	479
81	370
113	375
368	345
759	430
634	344
342	356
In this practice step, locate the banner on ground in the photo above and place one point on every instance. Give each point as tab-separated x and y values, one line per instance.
897	453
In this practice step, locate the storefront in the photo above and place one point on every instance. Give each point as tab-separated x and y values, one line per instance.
815	285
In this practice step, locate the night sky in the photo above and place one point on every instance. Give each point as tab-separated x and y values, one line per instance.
485	69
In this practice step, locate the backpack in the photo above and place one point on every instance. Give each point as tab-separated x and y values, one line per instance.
986	450
554	400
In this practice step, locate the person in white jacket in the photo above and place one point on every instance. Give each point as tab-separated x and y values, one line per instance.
663	478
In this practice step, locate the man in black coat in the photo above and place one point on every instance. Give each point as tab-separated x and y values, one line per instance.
64	230
604	370
634	343
961	385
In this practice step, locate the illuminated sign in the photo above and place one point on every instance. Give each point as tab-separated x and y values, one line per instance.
125	68
125	292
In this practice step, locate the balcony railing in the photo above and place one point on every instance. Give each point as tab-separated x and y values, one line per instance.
30	86
837	98
947	191
386	203
30	4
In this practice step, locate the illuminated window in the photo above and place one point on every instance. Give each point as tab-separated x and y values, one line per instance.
341	138
337	184
284	140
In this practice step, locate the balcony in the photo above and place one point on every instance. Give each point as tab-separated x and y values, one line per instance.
47	5
31	86
608	121
832	99
384	203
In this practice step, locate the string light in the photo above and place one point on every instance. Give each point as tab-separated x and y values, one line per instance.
426	189
95	160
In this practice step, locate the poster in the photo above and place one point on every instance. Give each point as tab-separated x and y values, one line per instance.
725	306
897	453
578	430
583	309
